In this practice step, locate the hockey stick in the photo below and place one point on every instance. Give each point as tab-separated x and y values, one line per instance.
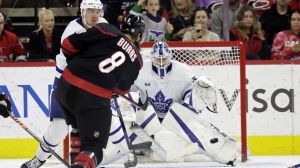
160	151
143	145
141	106
39	140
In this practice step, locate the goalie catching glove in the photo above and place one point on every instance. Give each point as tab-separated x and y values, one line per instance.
5	106
204	91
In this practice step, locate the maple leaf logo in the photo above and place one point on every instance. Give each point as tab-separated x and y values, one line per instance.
159	103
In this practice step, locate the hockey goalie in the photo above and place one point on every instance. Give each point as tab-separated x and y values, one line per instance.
176	98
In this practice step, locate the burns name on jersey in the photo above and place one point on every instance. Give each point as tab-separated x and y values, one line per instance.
126	46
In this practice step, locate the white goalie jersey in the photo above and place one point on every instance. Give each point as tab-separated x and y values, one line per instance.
162	92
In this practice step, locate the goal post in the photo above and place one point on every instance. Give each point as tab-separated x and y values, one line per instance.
224	63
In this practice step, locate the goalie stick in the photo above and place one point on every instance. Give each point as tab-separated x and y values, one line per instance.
160	151
143	145
39	140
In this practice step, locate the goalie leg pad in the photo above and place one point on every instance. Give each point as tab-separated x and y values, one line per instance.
148	121
211	140
116	135
56	132
110	154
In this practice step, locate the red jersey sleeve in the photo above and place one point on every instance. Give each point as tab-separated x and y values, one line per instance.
18	48
282	46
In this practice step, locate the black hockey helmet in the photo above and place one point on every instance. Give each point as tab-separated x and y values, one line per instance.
133	24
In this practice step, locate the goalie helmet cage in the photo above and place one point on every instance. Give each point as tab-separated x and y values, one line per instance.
227	61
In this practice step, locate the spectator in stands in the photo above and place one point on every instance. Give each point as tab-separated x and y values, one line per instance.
275	19
200	33
157	28
7	21
44	43
217	17
286	44
10	45
115	9
248	30
181	17
162	10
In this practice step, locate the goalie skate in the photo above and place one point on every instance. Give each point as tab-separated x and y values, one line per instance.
33	163
130	160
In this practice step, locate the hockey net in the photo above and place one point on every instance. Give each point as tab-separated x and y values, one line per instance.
224	64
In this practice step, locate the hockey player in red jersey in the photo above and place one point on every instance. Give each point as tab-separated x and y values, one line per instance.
101	62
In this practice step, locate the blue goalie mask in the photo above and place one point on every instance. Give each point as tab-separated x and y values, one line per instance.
161	58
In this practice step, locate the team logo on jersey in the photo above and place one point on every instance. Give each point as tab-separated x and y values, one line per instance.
147	84
96	134
155	35
212	6
259	4
160	103
291	43
194	79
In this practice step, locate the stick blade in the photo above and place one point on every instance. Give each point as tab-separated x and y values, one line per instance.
141	146
145	105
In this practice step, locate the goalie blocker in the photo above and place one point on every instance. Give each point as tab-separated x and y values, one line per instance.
212	142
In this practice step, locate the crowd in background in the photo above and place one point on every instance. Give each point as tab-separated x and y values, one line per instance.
268	28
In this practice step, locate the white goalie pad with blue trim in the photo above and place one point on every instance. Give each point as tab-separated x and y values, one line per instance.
187	123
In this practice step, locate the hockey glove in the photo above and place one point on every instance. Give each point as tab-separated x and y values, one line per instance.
204	91
5	106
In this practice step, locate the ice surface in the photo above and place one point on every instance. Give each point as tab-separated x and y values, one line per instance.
254	161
